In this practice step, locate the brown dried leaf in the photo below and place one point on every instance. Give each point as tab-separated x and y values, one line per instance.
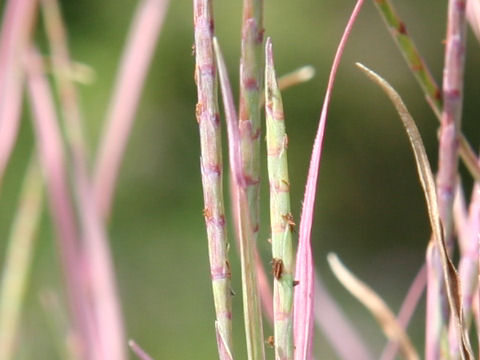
428	184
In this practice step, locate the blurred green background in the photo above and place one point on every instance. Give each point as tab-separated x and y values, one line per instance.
370	209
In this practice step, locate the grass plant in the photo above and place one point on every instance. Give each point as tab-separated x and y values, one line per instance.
80	186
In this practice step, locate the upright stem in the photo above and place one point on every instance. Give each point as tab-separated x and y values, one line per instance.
50	149
250	130
453	75
18	20
106	304
280	213
423	76
19	257
212	169
136	58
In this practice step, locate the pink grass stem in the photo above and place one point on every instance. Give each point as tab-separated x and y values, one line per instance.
127	90
473	16
468	266
266	294
104	298
211	163
304	291
340	333
141	354
16	29
453	74
461	221
407	309
51	154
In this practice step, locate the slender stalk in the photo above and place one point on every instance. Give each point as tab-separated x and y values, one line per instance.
212	169
58	326
250	130
291	79
406	311
19	258
141	354
375	304
451	281
104	298
468	266
423	76
448	142
473	16
131	75
18	20
461	220
281	219
329	317
304	270
52	159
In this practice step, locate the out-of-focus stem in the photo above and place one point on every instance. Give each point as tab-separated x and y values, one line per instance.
141	354
423	76
52	159
131	75
104	298
468	267
281	219
296	77
473	16
16	29
406	311
409	51
329	317
212	169
19	258
375	304
447	174
59	326
461	221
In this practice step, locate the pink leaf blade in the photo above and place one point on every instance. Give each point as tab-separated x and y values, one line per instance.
304	291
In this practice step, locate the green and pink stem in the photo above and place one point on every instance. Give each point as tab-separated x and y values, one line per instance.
212	172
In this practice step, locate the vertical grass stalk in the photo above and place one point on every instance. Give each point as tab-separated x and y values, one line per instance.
19	258
250	130
103	291
280	213
18	20
453	77
120	116
423	75
52	159
212	169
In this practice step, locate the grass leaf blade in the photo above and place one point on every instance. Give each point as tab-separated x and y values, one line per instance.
428	184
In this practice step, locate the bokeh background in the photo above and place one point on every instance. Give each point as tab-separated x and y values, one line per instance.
370	208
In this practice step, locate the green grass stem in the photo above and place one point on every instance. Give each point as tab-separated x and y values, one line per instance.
212	172
281	219
250	134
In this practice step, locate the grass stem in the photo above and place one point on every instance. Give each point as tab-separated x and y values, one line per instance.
18	259
208	120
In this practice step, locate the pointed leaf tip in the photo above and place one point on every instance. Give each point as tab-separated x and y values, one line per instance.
450	275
